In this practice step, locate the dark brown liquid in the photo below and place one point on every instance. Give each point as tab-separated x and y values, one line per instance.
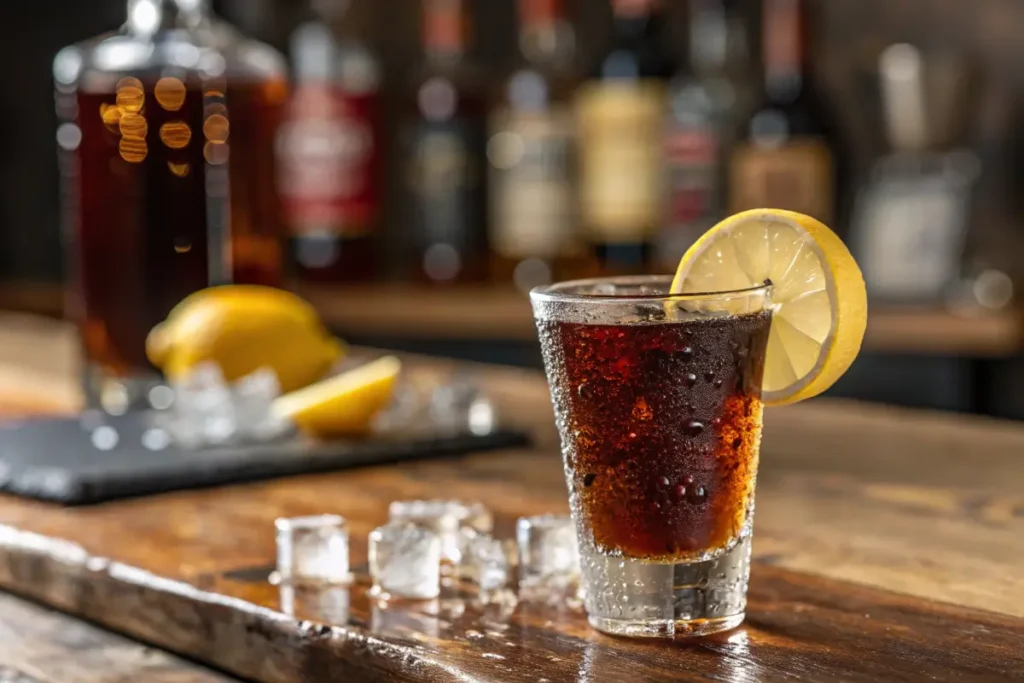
664	423
145	184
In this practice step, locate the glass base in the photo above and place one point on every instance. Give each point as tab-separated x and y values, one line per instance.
681	628
634	598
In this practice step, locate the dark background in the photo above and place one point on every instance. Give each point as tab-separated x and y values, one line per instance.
850	35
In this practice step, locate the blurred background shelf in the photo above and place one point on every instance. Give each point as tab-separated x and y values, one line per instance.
483	314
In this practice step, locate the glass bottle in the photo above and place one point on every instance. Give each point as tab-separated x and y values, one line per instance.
445	142
532	155
166	140
705	102
329	150
620	110
788	155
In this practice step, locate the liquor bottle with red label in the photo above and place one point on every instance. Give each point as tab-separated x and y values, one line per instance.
705	101
444	143
789	155
329	151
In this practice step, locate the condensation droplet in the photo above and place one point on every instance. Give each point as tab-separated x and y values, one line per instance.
182	245
180	170
689	379
686	354
169	93
694	428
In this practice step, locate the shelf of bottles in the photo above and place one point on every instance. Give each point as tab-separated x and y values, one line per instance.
214	158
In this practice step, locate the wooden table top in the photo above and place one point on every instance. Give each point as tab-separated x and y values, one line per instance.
888	547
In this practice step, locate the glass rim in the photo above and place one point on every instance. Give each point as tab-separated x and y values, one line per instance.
563	292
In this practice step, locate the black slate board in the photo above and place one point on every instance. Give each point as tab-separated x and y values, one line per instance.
56	460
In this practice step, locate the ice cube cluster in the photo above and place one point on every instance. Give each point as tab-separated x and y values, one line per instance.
428	546
208	411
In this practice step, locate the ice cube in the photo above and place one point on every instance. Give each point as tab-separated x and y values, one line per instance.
484	560
405	561
312	549
548	553
451	402
444	518
253	396
204	407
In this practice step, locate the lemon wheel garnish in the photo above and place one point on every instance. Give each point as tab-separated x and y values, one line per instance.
818	297
343	405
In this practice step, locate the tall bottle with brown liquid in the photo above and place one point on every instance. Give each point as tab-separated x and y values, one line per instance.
166	141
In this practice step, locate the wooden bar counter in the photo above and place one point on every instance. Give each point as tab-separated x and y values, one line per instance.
889	546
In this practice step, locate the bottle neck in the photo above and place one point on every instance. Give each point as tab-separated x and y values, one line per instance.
445	30
545	37
786	36
635	9
637	21
150	16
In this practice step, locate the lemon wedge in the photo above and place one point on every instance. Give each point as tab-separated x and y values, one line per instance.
343	405
819	301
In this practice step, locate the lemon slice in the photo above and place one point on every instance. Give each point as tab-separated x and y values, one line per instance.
818	298
342	405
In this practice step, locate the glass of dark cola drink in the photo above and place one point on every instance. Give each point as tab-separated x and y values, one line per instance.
658	403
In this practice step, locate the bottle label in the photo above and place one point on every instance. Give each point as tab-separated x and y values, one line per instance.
797	176
533	202
693	201
447	183
328	155
620	159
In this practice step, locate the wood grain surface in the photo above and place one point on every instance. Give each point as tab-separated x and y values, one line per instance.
41	646
888	547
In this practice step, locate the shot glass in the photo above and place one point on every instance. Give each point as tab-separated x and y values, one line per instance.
658	404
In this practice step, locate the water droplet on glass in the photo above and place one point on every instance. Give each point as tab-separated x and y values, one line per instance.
698	494
584	390
709	375
694	428
665	482
680	490
689	379
718	384
686	354
736	443
589	479
632	435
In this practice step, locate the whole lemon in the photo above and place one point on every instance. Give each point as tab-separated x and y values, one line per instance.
243	328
